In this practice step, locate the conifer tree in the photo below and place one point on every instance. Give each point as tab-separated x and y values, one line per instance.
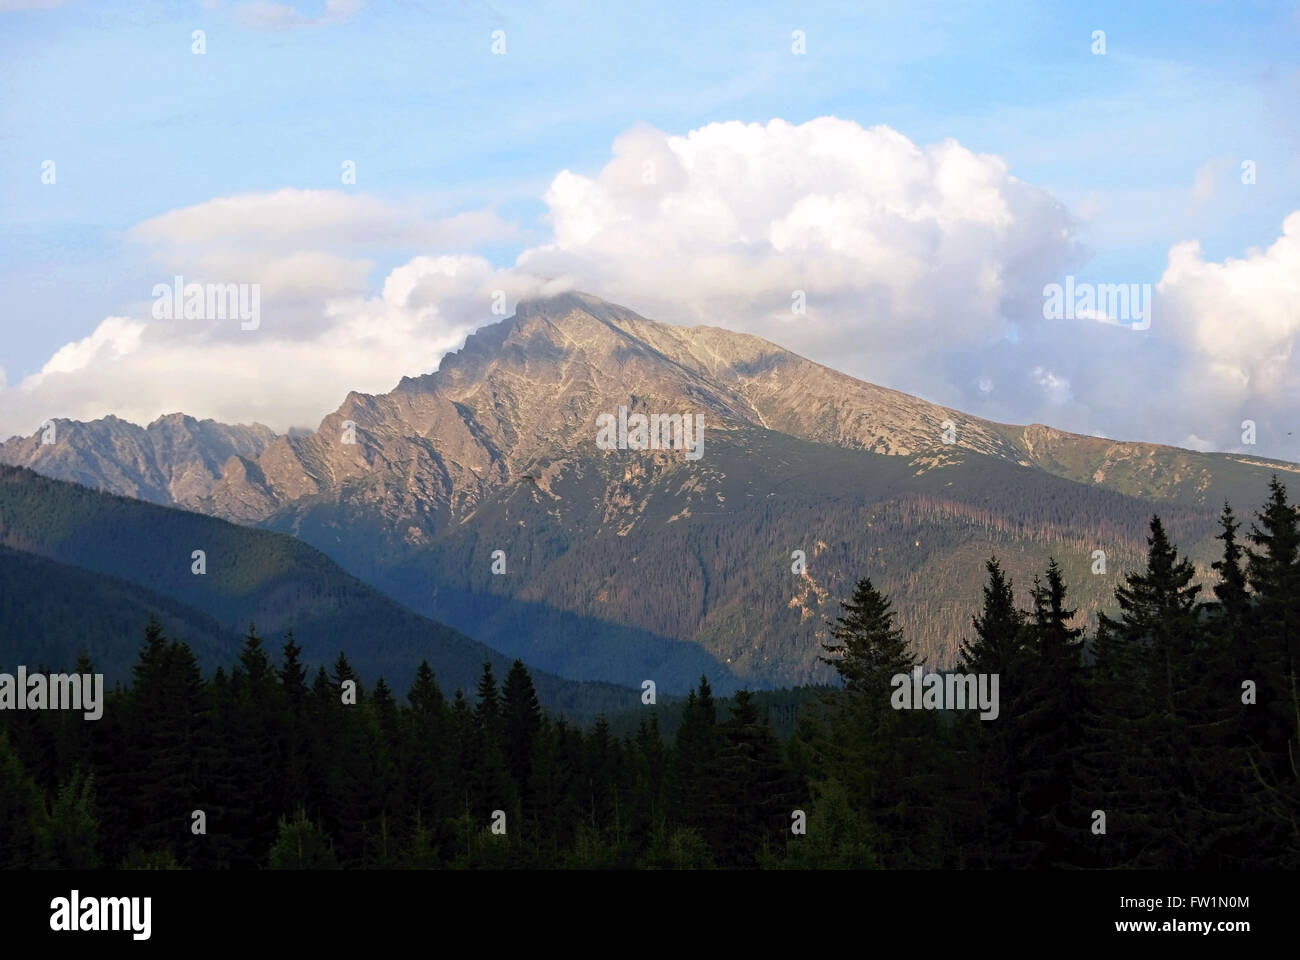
1231	589
1273	573
1273	570
999	644
601	772
385	737
256	727
301	845
342	672
20	810
649	762
295	749
293	675
989	751
491	786
696	787
69	831
757	787
1147	735
522	716
425	770
883	757
1052	723
867	649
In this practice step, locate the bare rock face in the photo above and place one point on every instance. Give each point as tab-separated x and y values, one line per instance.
527	391
626	565
174	460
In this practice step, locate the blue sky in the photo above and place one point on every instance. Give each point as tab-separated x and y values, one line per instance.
138	125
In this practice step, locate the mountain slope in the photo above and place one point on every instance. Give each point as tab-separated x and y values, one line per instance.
74	552
532	385
50	612
626	565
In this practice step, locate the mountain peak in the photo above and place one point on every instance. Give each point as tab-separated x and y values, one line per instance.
531	388
559	305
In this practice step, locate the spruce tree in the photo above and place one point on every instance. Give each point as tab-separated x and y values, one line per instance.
258	731
21	810
491	786
522	716
425	770
867	649
989	751
1148	739
1051	736
1273	570
999	644
696	787
295	750
293	675
69	831
758	788
884	757
1273	573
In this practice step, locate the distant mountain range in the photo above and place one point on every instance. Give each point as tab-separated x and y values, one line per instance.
623	565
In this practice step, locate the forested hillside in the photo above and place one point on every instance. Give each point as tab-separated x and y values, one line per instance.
622	565
82	568
608	560
1165	738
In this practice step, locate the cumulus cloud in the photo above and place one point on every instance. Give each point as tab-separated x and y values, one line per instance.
1238	326
302	247
923	268
322	330
140	370
899	249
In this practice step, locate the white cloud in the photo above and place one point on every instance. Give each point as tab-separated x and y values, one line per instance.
141	370
304	247
900	249
1235	326
113	339
1240	318
1054	387
322	331
923	269
288	219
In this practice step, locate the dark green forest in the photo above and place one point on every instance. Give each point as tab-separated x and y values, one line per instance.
1166	738
718	576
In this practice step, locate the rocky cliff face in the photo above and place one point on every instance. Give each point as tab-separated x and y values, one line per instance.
623	565
530	387
174	460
